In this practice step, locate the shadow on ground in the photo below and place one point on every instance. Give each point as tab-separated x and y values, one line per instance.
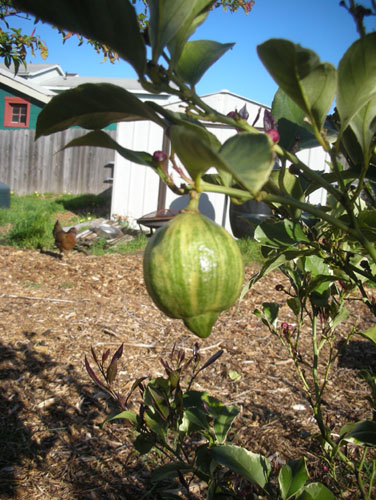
57	435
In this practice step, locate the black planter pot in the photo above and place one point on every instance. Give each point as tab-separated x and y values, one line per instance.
244	218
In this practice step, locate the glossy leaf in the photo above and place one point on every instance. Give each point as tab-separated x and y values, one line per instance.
194	150
176	45
369	334
169	18
295	305
316	491
223	416
100	139
270	311
294	132
310	83
111	22
249	158
282	233
92	106
363	124
356	79
251	466
124	415
315	265
363	432
292	477
197	57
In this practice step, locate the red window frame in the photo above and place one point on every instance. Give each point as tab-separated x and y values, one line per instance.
8	112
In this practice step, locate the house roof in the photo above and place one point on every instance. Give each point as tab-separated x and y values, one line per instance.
33	70
67	82
24	86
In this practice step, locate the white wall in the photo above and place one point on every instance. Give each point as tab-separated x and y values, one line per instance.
135	187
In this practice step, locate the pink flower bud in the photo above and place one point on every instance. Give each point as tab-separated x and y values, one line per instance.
274	135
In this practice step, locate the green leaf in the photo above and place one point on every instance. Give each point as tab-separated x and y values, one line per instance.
197	57
295	305
293	130
100	139
194	150
315	265
341	316
282	233
367	222
310	83
111	22
292	477
92	106
223	416
356	79
363	432
369	334
316	491
251	466
194	419
319	286
143	444
176	45
169	19
249	158
363	124
270	310
126	415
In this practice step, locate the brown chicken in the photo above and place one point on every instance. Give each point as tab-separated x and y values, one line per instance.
64	240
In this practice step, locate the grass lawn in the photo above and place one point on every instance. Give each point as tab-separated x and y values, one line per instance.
29	222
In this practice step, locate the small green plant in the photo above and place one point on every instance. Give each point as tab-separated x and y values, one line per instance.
189	434
32	229
318	292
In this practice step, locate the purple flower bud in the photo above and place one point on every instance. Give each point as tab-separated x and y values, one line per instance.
232	114
269	122
159	156
243	113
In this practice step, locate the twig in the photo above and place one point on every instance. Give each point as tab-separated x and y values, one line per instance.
25	297
146	346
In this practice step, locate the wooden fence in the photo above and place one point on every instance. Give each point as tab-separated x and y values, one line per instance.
27	165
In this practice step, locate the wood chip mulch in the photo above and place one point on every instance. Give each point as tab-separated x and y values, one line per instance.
52	311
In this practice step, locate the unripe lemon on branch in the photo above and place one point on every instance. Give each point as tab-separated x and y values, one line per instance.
193	270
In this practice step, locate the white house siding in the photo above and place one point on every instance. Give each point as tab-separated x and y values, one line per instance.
136	188
316	159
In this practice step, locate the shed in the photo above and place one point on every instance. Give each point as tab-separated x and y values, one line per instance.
137	190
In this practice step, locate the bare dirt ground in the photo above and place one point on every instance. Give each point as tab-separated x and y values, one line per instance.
53	311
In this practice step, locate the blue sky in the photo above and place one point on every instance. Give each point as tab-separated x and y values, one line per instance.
321	25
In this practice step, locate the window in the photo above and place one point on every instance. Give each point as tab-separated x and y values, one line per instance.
17	112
